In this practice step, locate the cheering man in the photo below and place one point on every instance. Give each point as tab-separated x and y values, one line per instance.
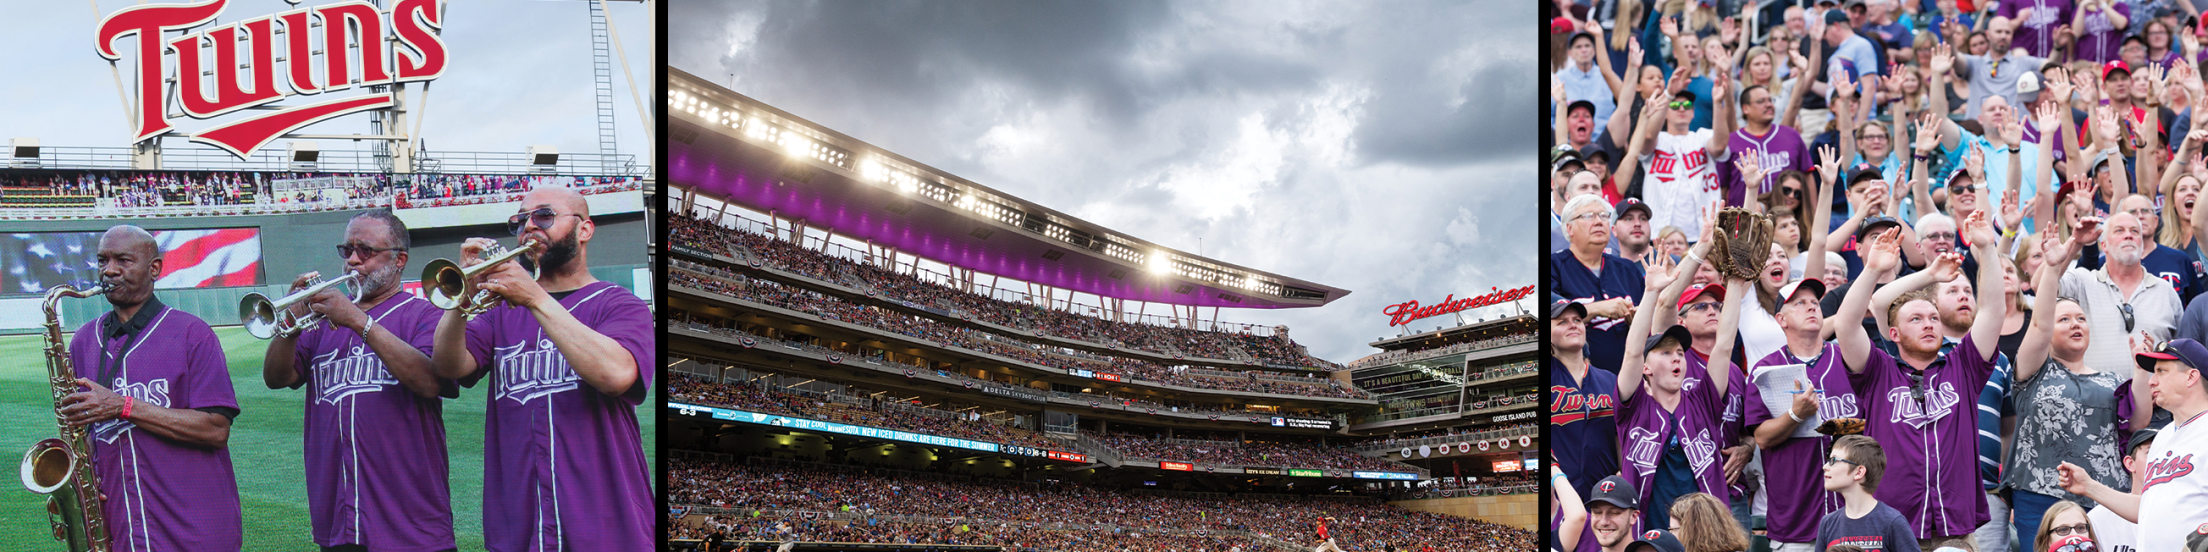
375	430
569	359
156	391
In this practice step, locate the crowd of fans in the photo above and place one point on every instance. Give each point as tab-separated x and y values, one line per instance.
1022	514
1983	265
827	306
135	189
1242	453
1165	340
766	399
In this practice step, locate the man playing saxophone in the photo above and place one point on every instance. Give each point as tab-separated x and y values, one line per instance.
156	393
569	358
375	431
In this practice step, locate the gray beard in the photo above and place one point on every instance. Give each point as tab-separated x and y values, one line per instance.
2126	258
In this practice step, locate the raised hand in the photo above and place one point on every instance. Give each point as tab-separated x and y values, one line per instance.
1946	267
1632	50
1975	162
2087	85
2048	116
1709	218
2061	89
1660	270
2104	126
1729	31
2011	214
1795	57
1842	85
1980	229
1943	58
1884	252
2086	230
1668	25
1828	164
2013	133
1928	134
1750	165
2189	42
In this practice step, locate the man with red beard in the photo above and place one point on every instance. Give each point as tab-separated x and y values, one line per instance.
1918	399
2120	297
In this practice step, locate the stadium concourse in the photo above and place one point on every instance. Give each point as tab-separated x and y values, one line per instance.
866	351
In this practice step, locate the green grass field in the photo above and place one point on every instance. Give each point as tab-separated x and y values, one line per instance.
265	449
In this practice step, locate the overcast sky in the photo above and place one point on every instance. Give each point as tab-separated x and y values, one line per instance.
1382	147
520	75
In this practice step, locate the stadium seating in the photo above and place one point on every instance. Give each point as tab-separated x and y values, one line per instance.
1040	515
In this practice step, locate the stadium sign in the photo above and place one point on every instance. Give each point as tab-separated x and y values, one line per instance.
1408	311
1516	416
1305	473
1176	466
1261	471
1296	423
397	45
1385	475
1506	466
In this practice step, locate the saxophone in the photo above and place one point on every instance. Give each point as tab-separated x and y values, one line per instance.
62	468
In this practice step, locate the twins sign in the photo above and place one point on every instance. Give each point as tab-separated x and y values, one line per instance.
224	69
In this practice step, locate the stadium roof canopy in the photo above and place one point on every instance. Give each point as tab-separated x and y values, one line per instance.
728	146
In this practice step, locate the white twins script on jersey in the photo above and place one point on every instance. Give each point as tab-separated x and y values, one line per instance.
154	392
1837	406
1648	448
358	371
1939	402
525	375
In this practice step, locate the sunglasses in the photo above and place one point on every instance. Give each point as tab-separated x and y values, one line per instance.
542	217
1682	105
1792	192
1916	385
2126	309
346	252
1697	307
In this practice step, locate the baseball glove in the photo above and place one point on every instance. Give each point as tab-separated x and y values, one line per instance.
1743	243
1841	426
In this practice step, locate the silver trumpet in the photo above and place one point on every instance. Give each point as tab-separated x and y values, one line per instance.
267	319
446	281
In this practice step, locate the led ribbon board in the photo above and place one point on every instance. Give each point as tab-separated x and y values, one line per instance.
829	427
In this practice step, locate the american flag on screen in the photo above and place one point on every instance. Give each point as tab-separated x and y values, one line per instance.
209	258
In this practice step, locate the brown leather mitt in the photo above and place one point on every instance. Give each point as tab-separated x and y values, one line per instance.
1744	243
1841	426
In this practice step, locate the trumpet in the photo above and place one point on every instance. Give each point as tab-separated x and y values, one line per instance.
267	319
446	281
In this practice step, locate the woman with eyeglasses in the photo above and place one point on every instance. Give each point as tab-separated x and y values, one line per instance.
2065	529
2065	409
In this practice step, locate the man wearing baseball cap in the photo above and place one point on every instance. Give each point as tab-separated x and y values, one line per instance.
2110	528
2175	485
1564	163
1819	390
1682	181
1670	435
1629	235
1613	515
1583	401
1588	77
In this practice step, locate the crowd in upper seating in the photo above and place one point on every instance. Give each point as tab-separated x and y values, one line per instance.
1007	513
140	189
1386	357
1184	342
1244	453
830	307
771	401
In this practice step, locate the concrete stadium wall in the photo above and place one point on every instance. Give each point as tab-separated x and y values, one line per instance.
1517	510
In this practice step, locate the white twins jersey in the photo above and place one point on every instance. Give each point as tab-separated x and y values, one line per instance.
2121	536
2176	498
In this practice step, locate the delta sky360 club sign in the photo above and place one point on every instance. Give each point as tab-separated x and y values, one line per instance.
360	47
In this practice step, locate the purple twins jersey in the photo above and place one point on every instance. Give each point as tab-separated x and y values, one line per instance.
563	463
376	468
1930	443
162	495
1795	468
1645	430
1728	423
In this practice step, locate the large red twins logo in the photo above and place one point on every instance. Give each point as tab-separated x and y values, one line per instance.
1694	165
411	52
2166	470
1569	405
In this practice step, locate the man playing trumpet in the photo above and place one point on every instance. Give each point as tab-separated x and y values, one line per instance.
155	389
375	431
569	358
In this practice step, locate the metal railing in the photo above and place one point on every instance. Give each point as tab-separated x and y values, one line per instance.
1493	435
279	160
1476	346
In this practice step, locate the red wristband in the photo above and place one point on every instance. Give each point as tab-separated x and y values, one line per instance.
127	401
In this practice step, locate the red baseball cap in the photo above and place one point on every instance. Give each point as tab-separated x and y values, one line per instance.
1697	290
2114	65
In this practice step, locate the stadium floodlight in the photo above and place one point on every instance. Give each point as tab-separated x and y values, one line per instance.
544	158
1159	263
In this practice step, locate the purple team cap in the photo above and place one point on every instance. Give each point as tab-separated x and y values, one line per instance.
1656	540
2182	350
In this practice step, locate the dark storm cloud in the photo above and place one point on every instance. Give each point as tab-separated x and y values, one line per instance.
1378	147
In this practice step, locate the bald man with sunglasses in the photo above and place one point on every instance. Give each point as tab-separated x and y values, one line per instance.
568	359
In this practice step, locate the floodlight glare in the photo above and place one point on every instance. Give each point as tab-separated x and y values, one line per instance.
1159	263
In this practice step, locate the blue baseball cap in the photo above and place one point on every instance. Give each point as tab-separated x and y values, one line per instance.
2187	351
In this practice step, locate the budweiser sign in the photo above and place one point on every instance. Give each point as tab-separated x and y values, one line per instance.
1407	311
227	68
